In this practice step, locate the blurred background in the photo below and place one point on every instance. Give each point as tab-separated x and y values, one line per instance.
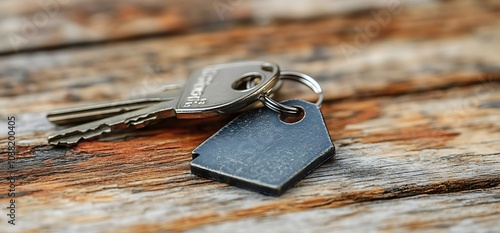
56	52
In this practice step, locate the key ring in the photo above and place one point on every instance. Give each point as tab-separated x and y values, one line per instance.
298	77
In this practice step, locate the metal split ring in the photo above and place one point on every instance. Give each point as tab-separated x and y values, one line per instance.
298	77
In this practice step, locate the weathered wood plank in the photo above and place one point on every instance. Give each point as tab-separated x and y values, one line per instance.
476	210
37	24
33	24
389	147
394	65
414	113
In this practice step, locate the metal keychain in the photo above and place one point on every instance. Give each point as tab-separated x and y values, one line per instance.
261	152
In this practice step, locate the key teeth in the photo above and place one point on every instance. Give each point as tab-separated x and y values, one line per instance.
64	143
78	131
58	139
58	142
140	120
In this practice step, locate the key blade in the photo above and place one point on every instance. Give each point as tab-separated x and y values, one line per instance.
138	118
78	115
88	113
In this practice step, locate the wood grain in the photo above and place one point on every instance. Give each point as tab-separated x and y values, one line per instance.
415	115
441	212
32	24
419	153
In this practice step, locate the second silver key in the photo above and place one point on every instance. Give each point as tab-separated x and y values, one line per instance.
87	113
211	91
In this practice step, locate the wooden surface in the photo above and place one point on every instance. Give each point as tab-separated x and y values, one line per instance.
414	112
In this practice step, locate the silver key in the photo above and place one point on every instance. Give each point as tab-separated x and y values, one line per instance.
211	91
88	113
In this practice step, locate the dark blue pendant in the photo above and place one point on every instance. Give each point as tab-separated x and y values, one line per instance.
260	152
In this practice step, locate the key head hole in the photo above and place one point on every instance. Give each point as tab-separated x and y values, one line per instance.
293	118
247	81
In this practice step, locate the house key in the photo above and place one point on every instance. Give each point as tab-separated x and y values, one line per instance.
213	90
